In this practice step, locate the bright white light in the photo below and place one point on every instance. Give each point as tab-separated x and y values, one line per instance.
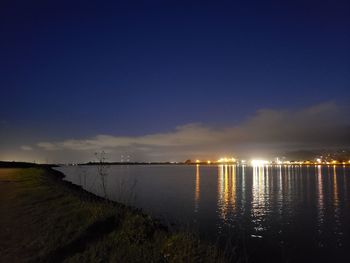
259	162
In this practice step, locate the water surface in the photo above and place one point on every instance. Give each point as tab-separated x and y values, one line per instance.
280	213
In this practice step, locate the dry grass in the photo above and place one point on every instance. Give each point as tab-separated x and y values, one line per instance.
44	219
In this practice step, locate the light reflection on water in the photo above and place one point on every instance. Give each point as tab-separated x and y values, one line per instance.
320	207
287	210
197	191
226	190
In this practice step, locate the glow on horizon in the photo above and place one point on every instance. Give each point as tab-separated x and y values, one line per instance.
226	160
259	162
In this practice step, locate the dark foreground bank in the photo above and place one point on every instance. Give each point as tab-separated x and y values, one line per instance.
45	219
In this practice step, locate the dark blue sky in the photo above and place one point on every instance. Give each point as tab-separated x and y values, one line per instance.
134	68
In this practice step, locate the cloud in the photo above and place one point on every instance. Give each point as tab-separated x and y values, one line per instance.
49	146
267	131
191	134
26	148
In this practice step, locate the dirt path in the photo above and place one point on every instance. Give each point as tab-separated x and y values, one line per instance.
37	218
14	229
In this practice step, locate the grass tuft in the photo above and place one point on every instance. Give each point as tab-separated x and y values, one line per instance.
45	219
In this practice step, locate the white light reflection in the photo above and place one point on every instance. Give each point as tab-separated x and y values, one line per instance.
259	197
280	190
320	200
243	199
233	186
337	220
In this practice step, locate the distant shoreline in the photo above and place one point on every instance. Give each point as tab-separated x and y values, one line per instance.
211	164
15	164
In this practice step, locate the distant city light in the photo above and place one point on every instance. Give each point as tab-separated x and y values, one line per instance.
275	161
278	161
259	162
226	160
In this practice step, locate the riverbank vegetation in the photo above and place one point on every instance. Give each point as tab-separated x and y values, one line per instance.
45	219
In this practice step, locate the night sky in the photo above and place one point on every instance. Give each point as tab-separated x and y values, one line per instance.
172	80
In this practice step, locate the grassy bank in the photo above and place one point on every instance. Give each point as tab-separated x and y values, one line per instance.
45	219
